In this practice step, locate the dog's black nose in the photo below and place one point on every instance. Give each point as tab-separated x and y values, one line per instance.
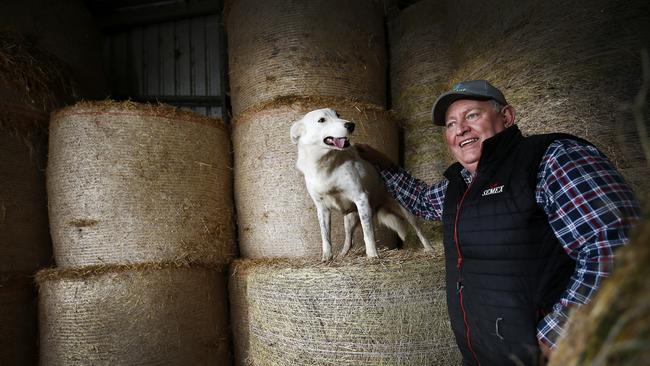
349	126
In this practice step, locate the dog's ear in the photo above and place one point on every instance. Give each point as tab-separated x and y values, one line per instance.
296	131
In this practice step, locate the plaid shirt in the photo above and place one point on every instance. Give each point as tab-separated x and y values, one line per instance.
589	206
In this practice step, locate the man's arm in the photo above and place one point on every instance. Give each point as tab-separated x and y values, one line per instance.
591	210
416	196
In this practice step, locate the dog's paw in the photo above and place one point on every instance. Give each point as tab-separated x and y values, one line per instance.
344	252
327	256
372	254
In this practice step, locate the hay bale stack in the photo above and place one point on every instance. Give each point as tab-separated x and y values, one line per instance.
276	216
567	66
17	319
308	48
421	62
131	183
357	311
145	314
614	329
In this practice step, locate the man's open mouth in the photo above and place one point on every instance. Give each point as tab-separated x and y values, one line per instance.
467	142
337	142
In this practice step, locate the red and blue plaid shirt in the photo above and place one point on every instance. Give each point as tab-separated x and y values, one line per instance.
589	206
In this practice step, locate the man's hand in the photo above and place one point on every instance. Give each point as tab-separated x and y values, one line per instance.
374	157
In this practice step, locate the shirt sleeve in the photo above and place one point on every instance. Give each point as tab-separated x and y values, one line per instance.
591	210
416	196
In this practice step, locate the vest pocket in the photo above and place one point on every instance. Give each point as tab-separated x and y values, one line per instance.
515	343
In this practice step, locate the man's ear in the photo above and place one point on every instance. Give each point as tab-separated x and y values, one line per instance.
296	131
509	114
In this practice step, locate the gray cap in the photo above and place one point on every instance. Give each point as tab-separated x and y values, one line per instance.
469	89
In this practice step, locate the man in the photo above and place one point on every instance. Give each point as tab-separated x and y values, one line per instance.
530	224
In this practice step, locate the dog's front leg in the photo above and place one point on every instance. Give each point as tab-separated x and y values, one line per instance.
324	221
365	215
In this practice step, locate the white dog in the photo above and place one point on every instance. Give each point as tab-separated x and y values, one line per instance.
337	178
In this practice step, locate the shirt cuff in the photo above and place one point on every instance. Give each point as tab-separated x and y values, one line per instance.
391	175
551	327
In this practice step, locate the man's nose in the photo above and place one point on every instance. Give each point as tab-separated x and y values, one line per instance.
349	126
461	128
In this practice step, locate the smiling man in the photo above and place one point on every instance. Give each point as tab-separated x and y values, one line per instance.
530	225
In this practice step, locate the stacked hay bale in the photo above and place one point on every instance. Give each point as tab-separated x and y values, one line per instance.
566	66
142	227
353	311
421	63
287	58
305	48
32	83
145	314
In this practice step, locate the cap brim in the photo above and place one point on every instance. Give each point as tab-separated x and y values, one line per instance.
445	100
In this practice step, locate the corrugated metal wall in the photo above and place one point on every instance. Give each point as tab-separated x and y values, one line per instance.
177	62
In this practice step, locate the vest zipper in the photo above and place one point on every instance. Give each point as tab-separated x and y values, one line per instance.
459	266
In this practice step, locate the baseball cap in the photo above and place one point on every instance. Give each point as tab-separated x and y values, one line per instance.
469	89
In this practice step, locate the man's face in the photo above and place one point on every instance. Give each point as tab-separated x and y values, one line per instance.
470	122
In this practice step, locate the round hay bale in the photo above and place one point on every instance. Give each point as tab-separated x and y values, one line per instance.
24	234
131	183
237	294
614	329
312	48
357	311
17	319
145	314
566	66
276	216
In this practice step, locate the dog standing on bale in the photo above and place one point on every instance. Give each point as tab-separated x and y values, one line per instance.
337	178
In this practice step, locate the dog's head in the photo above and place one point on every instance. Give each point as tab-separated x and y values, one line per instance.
324	128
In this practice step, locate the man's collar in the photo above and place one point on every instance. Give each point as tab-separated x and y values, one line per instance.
499	146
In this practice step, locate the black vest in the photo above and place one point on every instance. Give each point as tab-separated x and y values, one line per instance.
504	266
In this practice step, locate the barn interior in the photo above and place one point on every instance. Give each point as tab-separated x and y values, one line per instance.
151	211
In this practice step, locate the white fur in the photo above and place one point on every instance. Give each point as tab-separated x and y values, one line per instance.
337	178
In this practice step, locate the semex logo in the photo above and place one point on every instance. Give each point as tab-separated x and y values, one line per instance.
494	189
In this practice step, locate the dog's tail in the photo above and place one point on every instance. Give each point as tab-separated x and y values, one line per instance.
392	221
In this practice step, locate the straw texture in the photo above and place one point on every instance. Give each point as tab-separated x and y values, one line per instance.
31	77
276	216
312	48
566	66
131	183
152	314
357	311
18	338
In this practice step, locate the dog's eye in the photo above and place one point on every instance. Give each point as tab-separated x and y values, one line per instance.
321	120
